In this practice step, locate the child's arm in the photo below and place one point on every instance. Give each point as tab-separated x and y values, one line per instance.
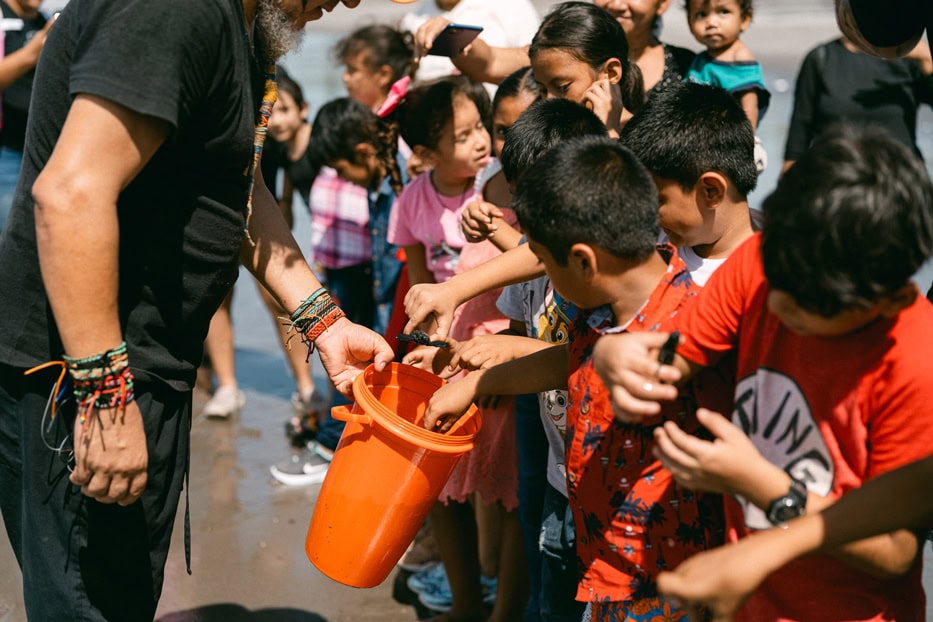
429	304
542	371
730	464
488	351
749	102
723	578
482	220
418	271
628	365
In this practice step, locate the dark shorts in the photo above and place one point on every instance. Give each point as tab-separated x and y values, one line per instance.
84	560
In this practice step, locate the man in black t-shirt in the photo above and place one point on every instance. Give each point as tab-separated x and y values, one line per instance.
134	202
24	30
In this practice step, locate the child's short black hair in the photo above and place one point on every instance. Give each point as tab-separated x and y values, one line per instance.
589	190
849	223
381	45
287	84
746	8
428	108
544	124
688	129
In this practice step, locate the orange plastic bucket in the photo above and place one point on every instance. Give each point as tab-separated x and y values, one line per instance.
386	474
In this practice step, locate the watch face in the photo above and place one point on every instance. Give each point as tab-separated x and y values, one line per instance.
787	510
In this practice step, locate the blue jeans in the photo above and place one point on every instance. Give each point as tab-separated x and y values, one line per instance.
532	482
559	574
11	161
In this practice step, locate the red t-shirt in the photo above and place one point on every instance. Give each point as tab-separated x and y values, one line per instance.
631	518
833	412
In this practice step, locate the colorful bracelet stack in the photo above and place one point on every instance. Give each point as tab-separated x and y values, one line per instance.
313	316
102	381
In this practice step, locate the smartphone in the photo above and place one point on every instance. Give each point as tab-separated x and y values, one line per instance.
452	40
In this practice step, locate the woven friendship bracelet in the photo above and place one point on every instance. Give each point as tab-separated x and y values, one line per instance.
102	381
313	317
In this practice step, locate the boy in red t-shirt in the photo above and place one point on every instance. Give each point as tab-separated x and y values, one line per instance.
833	387
589	209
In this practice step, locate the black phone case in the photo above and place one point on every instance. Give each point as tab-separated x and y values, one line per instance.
453	39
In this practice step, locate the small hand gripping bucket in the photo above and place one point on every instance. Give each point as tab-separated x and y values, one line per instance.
386	475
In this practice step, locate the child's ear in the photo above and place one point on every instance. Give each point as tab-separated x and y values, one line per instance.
663	7
894	303
746	22
583	260
612	71
384	77
711	190
363	152
304	112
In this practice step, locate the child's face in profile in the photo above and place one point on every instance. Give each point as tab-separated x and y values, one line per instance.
362	171
464	147
506	114
561	75
678	213
635	16
807	323
365	85
717	24
286	118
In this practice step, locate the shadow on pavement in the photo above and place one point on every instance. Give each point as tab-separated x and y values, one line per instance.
229	612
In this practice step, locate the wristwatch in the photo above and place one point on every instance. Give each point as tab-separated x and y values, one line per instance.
791	505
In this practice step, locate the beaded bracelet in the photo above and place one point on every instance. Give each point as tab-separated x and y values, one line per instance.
102	381
313	317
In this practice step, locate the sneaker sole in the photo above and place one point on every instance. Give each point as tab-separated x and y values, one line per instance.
295	479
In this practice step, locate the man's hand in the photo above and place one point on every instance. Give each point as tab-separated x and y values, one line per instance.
346	349
111	457
628	365
430	307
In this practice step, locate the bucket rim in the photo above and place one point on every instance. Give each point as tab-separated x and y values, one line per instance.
408	431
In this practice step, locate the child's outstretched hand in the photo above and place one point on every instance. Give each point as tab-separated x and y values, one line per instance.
430	307
432	359
449	403
729	464
482	352
721	579
628	365
605	100
479	220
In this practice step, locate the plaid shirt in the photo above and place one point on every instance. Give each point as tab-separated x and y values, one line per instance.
340	235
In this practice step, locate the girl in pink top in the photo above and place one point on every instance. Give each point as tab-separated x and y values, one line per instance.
444	122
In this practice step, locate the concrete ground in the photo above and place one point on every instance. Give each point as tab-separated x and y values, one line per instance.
247	531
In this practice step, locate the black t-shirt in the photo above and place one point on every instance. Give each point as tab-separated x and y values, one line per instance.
181	219
302	171
16	33
836	85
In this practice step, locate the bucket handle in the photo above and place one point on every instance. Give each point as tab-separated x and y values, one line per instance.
342	413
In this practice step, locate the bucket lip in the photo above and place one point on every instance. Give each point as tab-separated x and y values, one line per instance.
404	428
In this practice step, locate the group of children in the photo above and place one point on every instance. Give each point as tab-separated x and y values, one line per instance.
559	253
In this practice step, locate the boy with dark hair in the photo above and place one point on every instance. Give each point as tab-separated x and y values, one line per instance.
833	347
542	126
589	209
702	189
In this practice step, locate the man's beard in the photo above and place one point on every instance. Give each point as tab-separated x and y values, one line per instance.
275	31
